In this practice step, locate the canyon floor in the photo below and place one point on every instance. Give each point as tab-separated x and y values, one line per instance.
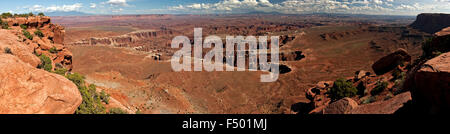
332	46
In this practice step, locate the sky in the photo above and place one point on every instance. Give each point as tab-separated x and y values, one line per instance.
377	7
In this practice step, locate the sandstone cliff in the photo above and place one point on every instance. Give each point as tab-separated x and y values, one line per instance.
26	89
431	23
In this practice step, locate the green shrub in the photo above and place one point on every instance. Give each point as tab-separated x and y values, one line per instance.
27	34
341	89
8	50
91	103
4	24
53	50
116	111
61	71
138	111
380	87
46	63
41	14
104	96
76	78
398	74
59	65
39	33
23	26
368	100
6	15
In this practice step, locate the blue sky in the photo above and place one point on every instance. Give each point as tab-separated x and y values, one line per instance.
386	7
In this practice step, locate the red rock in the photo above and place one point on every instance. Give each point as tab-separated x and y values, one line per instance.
343	106
445	31
383	107
431	84
27	90
391	61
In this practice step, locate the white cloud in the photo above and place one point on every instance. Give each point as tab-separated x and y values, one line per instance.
117	2
53	8
93	5
312	6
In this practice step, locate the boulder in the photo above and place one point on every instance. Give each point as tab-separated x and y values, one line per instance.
27	90
391	61
43	45
342	106
361	74
389	106
431	88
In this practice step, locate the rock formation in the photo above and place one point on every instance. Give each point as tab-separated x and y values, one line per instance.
28	90
431	23
25	88
52	38
391	61
370	99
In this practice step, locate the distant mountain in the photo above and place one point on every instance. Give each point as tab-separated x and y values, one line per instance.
70	13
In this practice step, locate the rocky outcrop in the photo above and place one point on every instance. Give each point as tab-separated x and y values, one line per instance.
372	97
430	85
52	38
391	61
445	31
389	106
343	106
431	23
27	90
123	40
23	52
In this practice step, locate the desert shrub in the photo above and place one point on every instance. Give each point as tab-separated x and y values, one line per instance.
8	50
60	71
104	96
27	34
398	74
76	78
53	50
116	111
341	89
6	15
46	63
368	100
380	87
389	96
91	103
4	25
23	26
41	14
59	65
435	46
138	111
39	33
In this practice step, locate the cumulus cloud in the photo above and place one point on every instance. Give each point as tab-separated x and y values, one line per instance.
307	6
53	8
117	2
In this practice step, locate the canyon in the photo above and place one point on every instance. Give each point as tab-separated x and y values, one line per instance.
127	58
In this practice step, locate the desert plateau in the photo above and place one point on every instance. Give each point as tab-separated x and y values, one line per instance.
329	62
